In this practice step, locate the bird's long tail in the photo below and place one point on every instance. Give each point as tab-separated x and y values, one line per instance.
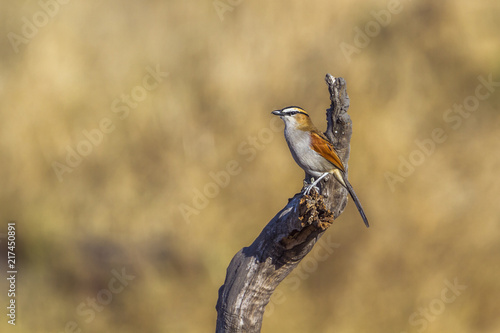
341	177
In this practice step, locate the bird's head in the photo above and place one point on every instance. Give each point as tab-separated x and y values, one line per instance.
293	115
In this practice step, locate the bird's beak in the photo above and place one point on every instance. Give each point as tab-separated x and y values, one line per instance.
277	113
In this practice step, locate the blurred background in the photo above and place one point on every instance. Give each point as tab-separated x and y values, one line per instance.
139	155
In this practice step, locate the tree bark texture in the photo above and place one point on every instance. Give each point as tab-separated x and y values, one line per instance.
255	271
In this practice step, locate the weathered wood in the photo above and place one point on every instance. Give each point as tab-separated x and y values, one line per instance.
255	271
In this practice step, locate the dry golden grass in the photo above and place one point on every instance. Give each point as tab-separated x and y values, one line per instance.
120	207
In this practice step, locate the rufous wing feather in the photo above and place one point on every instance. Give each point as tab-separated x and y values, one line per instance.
323	147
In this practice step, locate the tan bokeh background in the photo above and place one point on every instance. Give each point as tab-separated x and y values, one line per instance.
120	208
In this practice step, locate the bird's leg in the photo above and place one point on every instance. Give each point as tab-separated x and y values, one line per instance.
308	189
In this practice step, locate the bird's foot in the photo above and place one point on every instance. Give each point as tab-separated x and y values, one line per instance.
309	188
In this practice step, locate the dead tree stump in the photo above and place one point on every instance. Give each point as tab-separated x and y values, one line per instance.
255	271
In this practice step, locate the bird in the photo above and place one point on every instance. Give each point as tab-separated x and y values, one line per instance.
313	152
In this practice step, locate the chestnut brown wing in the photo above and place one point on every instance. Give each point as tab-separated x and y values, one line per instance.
325	149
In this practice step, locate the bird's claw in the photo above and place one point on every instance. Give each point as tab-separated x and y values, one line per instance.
309	188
